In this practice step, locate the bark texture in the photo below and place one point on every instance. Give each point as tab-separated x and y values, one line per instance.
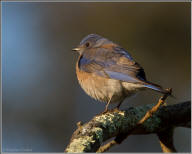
90	136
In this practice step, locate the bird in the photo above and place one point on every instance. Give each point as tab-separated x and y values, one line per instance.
108	73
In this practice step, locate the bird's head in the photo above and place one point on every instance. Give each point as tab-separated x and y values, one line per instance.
91	41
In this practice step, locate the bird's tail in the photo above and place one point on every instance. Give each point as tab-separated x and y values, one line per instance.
157	88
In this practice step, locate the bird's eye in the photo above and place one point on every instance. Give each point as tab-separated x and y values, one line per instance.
87	44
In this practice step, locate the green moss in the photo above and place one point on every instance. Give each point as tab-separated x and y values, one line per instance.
83	143
80	144
112	121
152	123
99	134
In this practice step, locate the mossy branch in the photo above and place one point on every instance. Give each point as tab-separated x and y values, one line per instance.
90	136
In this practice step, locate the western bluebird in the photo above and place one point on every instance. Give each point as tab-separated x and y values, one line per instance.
108	73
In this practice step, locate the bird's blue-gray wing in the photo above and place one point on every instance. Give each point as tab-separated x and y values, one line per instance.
116	64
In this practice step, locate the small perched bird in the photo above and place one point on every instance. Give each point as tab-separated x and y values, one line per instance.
108	73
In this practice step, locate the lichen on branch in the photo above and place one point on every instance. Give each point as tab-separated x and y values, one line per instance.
90	136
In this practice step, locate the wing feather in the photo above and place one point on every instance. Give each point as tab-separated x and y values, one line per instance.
115	64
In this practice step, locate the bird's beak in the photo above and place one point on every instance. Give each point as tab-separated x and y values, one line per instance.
76	49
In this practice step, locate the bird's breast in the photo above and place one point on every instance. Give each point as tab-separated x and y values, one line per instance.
100	88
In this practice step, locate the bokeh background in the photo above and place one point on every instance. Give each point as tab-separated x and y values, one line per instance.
42	100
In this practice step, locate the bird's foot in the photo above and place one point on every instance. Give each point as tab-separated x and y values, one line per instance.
116	109
111	110
105	111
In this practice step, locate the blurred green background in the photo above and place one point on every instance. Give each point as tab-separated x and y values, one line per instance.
42	100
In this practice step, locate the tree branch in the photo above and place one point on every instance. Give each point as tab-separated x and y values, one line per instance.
122	136
166	140
90	136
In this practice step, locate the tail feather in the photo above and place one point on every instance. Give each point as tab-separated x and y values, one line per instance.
155	87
